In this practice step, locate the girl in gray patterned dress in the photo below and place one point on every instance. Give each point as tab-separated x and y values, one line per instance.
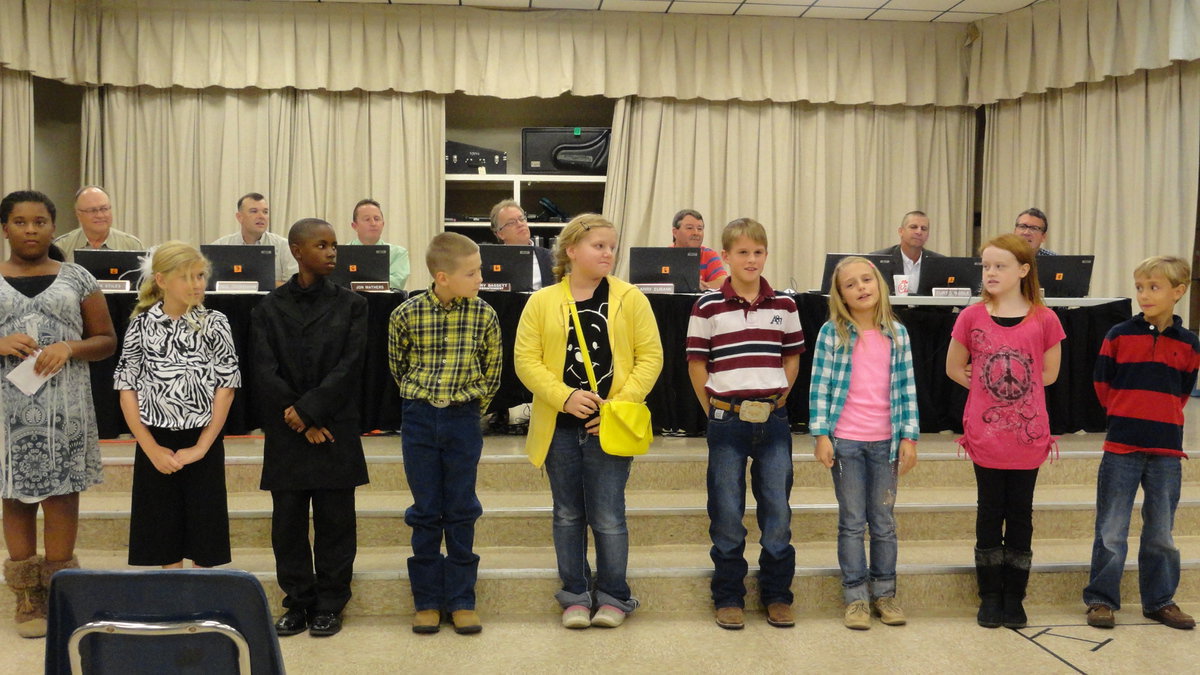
49	451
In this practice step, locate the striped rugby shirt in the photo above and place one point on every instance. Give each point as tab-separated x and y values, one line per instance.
1143	378
744	344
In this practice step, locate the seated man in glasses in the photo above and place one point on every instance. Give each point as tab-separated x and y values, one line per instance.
94	211
511	227
1031	226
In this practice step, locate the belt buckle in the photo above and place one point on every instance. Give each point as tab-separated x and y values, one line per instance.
440	403
755	412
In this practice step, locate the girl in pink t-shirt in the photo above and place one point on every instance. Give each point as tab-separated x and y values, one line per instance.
863	415
1005	350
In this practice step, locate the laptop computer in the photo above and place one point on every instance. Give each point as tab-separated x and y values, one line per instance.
883	261
240	262
506	268
105	264
678	266
361	262
1064	276
951	272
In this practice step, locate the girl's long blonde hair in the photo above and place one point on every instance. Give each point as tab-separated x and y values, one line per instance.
572	233
840	315
173	257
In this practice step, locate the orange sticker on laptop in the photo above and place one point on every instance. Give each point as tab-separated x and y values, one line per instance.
353	268
497	268
237	269
1058	276
666	269
950	280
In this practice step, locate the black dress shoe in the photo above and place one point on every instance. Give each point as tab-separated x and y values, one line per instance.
325	624
293	622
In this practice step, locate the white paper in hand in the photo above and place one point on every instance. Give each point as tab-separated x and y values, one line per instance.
25	379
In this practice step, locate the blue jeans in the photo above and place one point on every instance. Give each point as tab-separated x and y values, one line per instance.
1158	559
731	442
588	486
441	457
864	480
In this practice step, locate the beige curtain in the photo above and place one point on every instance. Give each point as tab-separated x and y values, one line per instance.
1056	44
1115	165
16	139
175	161
821	178
347	46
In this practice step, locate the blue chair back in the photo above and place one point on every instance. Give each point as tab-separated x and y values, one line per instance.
228	598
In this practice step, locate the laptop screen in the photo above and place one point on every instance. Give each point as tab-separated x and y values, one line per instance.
678	266
883	261
106	264
951	272
361	262
507	268
1065	276
240	262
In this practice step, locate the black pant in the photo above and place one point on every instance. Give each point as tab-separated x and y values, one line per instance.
1004	516
335	544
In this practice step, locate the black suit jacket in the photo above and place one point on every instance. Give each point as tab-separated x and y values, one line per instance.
545	261
309	348
898	259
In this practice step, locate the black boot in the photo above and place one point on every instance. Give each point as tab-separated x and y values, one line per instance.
988	570
1016	578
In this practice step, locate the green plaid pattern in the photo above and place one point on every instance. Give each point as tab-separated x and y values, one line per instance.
441	353
831	381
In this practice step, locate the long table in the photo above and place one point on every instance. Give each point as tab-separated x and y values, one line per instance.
1071	401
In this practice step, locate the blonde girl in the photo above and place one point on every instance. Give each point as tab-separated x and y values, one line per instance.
177	375
863	414
1005	350
588	486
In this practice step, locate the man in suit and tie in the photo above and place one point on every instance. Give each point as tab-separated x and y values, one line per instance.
908	255
511	227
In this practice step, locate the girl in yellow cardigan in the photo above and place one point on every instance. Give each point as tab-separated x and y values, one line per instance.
588	485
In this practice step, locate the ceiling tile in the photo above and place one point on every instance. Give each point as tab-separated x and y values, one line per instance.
991	6
935	5
962	17
860	4
702	8
799	4
730	2
754	9
817	12
566	4
424	2
658	6
904	15
362	1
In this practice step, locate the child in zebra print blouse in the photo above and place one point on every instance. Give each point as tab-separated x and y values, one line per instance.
177	376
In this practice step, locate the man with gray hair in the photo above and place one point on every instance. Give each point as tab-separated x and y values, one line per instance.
687	230
94	210
511	227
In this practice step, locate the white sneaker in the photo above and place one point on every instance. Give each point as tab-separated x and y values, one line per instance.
608	617
576	616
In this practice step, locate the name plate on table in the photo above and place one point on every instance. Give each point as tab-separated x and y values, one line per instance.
951	292
236	287
656	288
113	285
370	286
495	287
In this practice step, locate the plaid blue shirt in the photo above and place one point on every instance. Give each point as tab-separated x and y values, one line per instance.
831	382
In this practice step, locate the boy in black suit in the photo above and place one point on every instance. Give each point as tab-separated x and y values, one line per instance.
309	338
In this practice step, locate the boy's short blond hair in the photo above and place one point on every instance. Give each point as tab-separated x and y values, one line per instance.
1174	270
446	252
743	227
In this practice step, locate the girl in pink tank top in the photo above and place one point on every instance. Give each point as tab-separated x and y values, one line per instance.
1005	350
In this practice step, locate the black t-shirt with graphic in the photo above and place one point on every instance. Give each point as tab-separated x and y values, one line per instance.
593	316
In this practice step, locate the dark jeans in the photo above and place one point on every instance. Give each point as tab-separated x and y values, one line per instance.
441	458
1158	560
768	448
317	577
588	486
1005	508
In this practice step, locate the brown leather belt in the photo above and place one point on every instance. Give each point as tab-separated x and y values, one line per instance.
735	408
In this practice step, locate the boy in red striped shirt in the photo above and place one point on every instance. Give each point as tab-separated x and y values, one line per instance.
1144	375
743	351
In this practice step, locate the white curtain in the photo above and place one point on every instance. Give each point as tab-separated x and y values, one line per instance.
175	161
373	47
1056	44
16	140
821	178
1114	165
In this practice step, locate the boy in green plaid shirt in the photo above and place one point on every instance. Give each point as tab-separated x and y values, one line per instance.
444	351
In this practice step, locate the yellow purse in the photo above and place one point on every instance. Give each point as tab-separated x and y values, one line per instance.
625	429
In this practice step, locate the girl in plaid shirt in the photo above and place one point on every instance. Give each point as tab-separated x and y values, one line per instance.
863	414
